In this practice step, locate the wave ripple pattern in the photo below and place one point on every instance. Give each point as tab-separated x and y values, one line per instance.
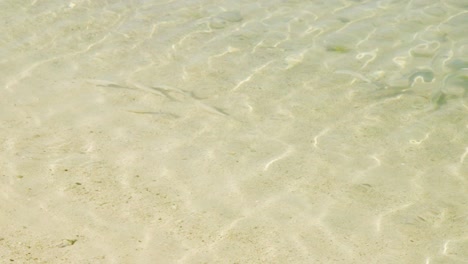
212	131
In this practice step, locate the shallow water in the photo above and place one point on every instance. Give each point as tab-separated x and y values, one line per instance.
234	132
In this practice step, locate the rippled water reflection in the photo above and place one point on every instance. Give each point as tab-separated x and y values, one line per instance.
234	131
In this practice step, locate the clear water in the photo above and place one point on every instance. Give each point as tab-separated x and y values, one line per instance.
234	131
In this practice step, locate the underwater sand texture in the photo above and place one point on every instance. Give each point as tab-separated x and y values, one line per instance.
234	131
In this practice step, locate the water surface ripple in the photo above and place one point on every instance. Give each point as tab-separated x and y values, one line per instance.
234	131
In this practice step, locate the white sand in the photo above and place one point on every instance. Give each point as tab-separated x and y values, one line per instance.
233	132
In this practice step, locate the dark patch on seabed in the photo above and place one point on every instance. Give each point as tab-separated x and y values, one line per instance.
424	83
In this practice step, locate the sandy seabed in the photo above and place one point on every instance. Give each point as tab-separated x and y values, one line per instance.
234	132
